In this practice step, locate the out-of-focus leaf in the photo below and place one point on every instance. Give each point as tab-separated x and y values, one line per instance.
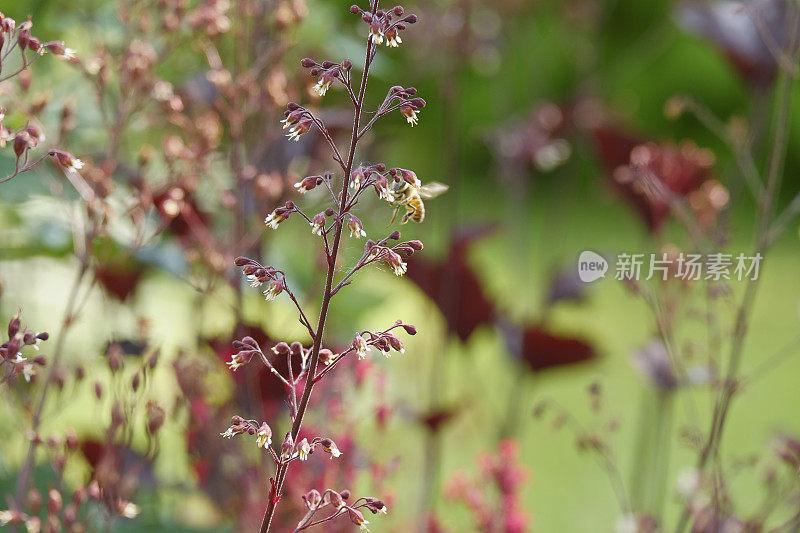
453	285
681	169
541	349
118	270
565	285
739	30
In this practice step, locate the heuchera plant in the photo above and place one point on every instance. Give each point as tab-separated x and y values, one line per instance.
317	361
17	40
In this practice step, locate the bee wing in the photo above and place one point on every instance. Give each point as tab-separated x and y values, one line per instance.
432	190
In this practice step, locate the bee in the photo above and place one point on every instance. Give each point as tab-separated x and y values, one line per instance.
404	194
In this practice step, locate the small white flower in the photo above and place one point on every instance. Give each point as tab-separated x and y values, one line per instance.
264	438
234	364
271	221
275	218
356	227
129	510
274	288
294	133
228	433
385	193
376	34
28	371
322	86
330	447
392	38
355	178
688	481
627	523
162	91
303	450
400	268
362	350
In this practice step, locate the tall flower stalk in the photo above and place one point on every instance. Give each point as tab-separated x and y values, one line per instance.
317	361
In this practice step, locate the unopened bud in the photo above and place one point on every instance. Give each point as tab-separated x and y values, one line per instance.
312	498
411	330
281	349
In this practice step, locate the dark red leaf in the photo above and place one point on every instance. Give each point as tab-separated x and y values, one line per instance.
453	286
732	29
680	168
541	349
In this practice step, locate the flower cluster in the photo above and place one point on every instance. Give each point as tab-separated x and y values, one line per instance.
382	25
383	341
18	37
125	76
499	470
392	256
11	351
60	516
298	120
259	275
327	73
115	471
337	503
66	159
306	366
406	100
289	450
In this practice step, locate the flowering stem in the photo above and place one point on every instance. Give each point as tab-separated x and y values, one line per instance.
23	480
763	238
280	474
25	167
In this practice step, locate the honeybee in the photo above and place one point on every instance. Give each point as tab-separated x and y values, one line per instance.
410	196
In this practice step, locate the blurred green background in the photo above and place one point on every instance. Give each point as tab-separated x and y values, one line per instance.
481	80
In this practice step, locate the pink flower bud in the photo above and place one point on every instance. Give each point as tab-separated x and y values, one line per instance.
312	498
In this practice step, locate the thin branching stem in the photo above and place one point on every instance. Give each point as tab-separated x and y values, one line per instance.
280	475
